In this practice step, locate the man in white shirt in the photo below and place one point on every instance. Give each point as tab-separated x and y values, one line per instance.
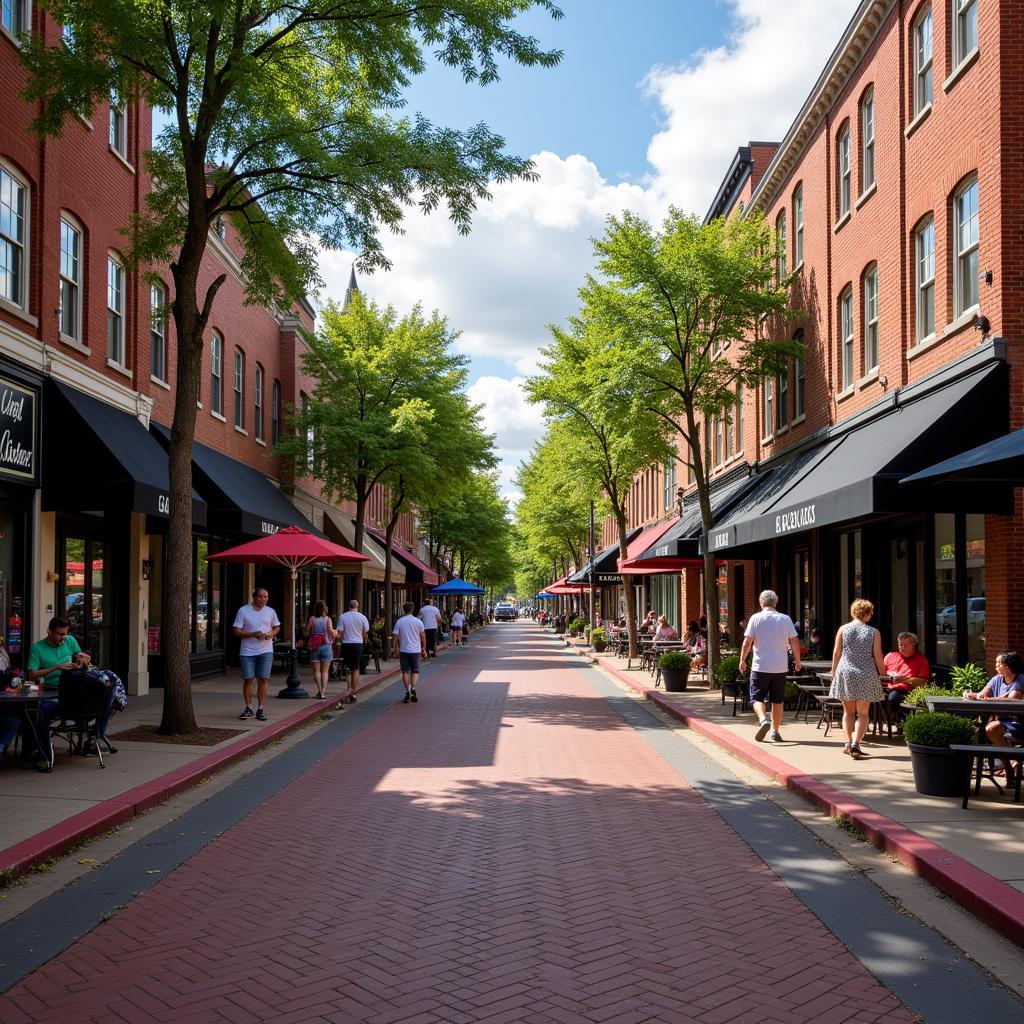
256	625
772	635
412	643
354	628
431	619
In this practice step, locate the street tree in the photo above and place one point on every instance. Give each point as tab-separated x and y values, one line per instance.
603	418
278	118
697	310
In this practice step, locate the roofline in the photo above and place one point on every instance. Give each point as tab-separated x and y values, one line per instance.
739	171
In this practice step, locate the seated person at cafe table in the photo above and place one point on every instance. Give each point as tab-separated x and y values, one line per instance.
47	658
664	630
907	666
1006	684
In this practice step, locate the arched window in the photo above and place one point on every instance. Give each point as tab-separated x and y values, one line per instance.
239	389
867	141
965	240
922	44
843	169
780	250
216	374
70	278
115	311
257	407
798	226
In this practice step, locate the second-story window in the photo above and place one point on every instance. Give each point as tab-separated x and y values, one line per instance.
965	33
846	338
798	384
669	489
216	374
769	408
118	125
739	418
965	224
782	400
871	318
843	156
798	226
13	16
310	434
923	61
13	196
115	311
158	332
239	389
70	280
275	412
867	141
924	283
780	242
257	405
719	441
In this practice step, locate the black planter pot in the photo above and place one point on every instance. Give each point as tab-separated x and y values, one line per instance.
733	689
599	646
675	679
939	771
364	663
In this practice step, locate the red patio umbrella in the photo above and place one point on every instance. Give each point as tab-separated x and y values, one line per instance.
294	548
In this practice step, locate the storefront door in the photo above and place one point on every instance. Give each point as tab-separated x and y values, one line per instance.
84	558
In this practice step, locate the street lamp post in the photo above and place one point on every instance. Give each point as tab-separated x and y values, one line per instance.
593	623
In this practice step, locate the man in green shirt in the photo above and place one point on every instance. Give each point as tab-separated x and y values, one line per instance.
47	658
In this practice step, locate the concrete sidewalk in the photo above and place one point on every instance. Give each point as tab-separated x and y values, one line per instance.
43	815
973	854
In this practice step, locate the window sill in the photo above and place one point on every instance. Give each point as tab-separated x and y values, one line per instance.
199	405
842	222
260	442
120	156
120	368
865	196
218	416
66	339
961	69
770	439
15	310
922	346
842	396
965	319
84	120
797	420
241	430
779	431
159	383
798	267
921	117
868	378
11	37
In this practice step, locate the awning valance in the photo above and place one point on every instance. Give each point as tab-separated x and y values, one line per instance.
606	566
999	462
344	526
650	537
417	572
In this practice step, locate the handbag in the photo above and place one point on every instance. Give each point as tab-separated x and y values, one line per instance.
317	640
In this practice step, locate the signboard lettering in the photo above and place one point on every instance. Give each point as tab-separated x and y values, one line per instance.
17	431
163	505
798	519
268	527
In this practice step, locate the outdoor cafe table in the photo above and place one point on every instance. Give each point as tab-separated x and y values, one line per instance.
974	708
28	705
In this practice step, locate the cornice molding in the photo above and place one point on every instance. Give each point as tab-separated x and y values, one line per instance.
845	59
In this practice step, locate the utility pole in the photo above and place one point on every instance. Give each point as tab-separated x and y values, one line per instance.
593	623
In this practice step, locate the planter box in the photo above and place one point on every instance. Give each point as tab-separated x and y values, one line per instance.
675	679
939	771
599	646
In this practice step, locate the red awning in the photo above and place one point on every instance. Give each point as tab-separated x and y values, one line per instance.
409	560
563	589
654	566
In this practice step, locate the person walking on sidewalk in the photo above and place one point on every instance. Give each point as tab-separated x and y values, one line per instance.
431	619
458	625
355	634
256	625
320	631
412	644
856	666
771	635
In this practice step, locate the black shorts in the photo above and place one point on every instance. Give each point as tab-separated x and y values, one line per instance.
350	655
409	662
768	687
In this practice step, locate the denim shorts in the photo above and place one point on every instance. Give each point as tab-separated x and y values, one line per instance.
256	666
325	652
410	662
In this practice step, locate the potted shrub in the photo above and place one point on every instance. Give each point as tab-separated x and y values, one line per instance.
967	677
675	670
916	698
729	677
599	638
939	771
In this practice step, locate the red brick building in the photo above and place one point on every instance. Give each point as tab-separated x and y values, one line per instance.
87	380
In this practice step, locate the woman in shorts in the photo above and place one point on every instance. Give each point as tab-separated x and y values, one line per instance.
458	625
322	634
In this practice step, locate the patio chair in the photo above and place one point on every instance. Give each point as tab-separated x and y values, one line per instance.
81	698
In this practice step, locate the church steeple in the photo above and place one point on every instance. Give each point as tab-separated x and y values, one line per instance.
352	289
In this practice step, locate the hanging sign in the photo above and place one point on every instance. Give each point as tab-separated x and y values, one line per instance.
18	431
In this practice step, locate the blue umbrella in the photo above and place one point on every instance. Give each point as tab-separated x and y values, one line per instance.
458	586
543	597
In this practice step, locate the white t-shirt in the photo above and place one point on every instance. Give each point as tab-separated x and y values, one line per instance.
770	630
409	629
458	620
250	619
430	616
351	625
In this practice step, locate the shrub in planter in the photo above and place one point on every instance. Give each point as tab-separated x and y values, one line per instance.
916	698
728	675
939	771
967	677
675	670
599	638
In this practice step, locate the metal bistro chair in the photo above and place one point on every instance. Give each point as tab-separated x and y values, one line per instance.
82	698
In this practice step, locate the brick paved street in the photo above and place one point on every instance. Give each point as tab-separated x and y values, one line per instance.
506	850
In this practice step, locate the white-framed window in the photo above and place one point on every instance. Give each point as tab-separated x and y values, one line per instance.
846	338
798	226
965	31
924	281
70	280
782	400
871	318
799	383
275	412
739	418
239	389
221	227
14	16
257	404
115	311
867	141
216	373
158	331
923	61
13	237
719	428
769	407
310	435
118	125
730	437
843	156
965	233
780	241
669	484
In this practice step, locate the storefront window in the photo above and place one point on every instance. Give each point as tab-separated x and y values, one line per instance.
850	571
83	592
974	550
723	595
945	589
202	596
207	613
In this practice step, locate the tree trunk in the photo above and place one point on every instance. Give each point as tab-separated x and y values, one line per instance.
700	472
627	584
396	511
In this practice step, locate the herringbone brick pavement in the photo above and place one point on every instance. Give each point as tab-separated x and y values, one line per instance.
507	850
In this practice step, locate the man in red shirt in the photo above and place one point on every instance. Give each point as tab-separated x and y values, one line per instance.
910	668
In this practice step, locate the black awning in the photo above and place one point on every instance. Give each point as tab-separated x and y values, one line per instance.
240	498
101	458
857	471
999	462
606	566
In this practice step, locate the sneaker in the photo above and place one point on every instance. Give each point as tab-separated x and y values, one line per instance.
406	698
247	713
261	715
412	693
846	748
775	736
762	730
856	753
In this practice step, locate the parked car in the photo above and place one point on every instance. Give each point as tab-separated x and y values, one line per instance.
945	621
504	612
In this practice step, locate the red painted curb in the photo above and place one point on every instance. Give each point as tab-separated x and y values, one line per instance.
57	839
988	898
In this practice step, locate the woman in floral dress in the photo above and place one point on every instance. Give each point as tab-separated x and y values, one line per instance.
856	667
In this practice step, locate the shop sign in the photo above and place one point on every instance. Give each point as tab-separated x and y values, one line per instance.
724	538
268	528
18	431
799	519
153	640
612	578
